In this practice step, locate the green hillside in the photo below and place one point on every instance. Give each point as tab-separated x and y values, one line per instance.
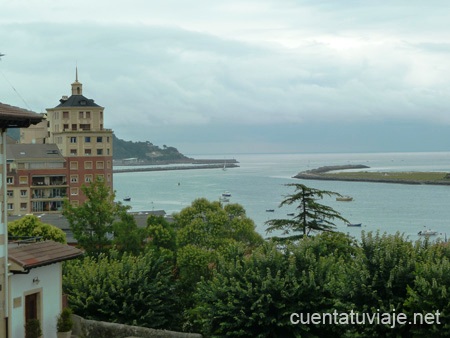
146	151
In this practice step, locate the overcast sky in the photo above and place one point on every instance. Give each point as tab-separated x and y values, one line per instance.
213	77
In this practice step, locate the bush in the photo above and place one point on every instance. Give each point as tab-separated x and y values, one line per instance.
33	328
64	322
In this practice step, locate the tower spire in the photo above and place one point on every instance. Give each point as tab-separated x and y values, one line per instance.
77	87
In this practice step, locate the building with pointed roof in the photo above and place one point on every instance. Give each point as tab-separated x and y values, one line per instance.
76	127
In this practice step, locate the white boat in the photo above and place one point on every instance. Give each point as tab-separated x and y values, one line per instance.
226	194
344	198
427	232
127	198
354	224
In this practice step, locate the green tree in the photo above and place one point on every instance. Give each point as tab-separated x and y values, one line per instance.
127	236
161	233
32	226
92	223
129	289
311	216
254	295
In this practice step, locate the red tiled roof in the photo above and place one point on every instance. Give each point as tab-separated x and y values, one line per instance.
37	254
15	117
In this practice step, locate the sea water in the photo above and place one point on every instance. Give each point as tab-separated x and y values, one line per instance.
259	184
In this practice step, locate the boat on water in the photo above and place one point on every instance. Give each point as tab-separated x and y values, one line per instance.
224	199
291	214
427	232
270	210
354	224
344	198
226	194
127	198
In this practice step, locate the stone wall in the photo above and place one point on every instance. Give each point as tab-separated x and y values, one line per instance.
84	328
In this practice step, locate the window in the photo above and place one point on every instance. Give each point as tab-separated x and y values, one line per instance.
100	165
73	165
87	139
99	151
73	139
107	139
10	180
10	206
81	115
65	114
73	178
108	177
107	151
10	193
85	127
108	164
23	206
87	178
65	126
88	114
101	177
73	152
74	126
23	180
88	165
73	191
23	193
99	139
87	151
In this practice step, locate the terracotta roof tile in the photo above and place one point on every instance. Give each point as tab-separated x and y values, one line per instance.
37	254
15	117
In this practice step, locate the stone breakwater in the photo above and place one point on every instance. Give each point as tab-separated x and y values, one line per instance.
175	167
322	173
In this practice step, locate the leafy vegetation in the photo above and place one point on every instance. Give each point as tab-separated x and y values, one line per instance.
95	223
145	151
210	272
32	226
311	216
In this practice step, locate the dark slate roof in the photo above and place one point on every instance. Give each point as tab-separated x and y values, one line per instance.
15	117
34	151
37	254
77	101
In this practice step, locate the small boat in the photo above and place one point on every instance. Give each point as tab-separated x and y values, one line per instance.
224	199
291	214
226	194
427	232
127	198
270	210
354	224
344	198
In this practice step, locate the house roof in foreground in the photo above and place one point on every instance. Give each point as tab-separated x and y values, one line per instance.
28	256
15	117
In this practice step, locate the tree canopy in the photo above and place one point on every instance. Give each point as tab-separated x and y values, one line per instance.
311	215
94	222
32	226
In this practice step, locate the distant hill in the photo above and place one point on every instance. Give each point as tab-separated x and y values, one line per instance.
146	152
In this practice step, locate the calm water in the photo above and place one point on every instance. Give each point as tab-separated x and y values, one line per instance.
259	184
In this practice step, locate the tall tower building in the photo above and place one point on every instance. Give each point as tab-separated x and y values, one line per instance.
76	127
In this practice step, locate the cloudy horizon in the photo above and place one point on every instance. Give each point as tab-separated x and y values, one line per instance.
240	76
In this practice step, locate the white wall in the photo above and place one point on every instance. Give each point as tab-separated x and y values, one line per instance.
50	302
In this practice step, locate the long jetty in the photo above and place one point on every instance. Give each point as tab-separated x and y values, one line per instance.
195	164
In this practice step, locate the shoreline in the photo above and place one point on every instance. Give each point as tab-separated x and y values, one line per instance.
322	173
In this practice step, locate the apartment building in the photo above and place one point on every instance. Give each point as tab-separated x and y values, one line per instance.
76	127
36	178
